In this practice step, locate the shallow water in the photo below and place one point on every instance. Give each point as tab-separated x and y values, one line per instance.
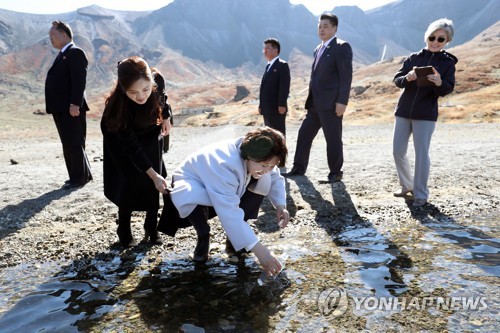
384	279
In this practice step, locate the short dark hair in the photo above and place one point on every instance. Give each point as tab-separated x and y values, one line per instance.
334	20
262	144
274	42
64	27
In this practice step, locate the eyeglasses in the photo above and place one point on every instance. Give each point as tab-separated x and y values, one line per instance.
433	38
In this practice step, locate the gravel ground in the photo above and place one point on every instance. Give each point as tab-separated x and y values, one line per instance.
40	222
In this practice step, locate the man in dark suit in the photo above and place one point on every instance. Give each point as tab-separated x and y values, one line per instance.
65	100
329	88
274	87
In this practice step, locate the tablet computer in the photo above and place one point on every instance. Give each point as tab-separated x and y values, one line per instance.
422	72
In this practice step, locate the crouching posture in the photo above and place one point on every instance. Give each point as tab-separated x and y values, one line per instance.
229	179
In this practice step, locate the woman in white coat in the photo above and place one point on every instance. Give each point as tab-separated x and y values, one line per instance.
229	179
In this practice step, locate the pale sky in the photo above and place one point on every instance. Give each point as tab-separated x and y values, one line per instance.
64	6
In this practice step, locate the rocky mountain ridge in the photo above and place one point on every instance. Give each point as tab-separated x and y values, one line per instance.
207	49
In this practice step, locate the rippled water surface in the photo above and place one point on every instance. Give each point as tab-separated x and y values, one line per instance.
328	280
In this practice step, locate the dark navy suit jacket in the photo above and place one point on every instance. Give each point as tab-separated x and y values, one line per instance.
331	80
274	88
66	80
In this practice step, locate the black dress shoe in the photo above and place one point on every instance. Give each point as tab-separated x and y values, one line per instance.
293	172
336	177
201	251
71	185
333	178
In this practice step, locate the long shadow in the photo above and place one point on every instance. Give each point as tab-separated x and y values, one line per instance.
218	297
484	249
14	217
379	261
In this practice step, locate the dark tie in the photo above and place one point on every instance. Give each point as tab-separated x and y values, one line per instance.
59	55
265	73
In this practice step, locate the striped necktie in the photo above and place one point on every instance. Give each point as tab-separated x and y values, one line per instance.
319	54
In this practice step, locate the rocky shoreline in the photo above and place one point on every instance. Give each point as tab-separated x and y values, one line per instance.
40	222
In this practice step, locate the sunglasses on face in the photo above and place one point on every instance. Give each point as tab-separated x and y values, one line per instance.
433	38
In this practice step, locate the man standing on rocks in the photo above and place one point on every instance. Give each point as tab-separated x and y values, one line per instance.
329	88
65	100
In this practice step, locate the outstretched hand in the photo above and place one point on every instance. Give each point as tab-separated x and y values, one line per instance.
268	261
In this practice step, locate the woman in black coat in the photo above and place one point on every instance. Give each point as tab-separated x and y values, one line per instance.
134	122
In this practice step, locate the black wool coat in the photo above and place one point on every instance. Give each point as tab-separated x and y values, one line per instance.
128	153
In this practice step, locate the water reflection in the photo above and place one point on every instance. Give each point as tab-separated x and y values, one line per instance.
115	289
373	261
79	292
142	290
472	236
219	296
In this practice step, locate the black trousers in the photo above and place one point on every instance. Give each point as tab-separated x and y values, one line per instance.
276	121
72	132
332	129
249	202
